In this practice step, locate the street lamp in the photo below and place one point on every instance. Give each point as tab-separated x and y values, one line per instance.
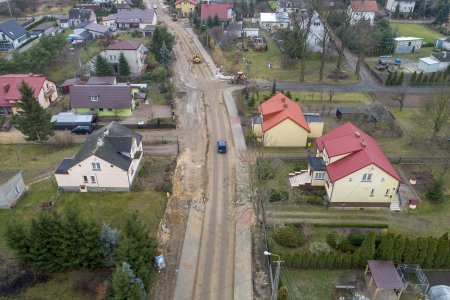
277	275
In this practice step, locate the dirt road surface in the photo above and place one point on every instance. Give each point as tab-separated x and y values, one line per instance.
197	232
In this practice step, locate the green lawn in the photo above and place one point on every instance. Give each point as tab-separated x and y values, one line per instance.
416	30
34	160
423	52
322	96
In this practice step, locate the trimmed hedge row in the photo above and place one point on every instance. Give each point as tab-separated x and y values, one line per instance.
347	225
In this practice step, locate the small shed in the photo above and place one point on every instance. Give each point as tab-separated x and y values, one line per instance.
12	187
407	44
428	64
385	276
315	123
46	28
70	120
250	32
349	113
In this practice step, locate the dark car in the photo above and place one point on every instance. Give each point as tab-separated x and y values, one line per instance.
82	130
222	146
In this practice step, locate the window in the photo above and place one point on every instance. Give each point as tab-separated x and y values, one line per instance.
320	176
94	98
92	109
372	192
16	190
382	179
95	166
367	177
93	179
100	109
85	179
387	192
350	179
109	109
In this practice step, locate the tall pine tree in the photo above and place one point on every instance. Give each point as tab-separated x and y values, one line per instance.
412	81
124	68
102	68
367	250
32	119
431	251
399	248
385	249
442	252
410	250
421	251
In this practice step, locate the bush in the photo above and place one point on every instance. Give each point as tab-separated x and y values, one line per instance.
319	247
63	139
356	239
289	236
278	195
265	170
346	246
436	191
350	225
332	240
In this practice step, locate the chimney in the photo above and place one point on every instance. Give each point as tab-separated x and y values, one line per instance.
283	100
363	143
285	106
6	87
357	133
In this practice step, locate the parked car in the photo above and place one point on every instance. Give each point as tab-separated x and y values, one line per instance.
222	146
381	67
82	129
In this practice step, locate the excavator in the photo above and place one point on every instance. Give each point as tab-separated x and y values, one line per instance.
196	59
239	78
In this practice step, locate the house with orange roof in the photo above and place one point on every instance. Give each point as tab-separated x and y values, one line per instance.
281	123
44	91
362	10
352	168
185	7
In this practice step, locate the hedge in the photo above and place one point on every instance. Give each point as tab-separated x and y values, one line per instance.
351	225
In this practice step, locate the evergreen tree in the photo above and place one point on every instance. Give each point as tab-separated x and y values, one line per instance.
165	55
73	228
385	249
410	250
399	248
216	21
338	260
160	36
304	260
322	260
347	261
274	87
431	251
92	249
102	68
367	250
17	238
288	94
110	241
137	248
121	286
394	79
124	67
313	261
388	79
421	251
432	77
438	77
355	259
329	260
209	22
436	191
32	119
412	81
442	252
419	79
425	80
400	79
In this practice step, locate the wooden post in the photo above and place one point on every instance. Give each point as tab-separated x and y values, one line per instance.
367	269
370	281
399	294
376	292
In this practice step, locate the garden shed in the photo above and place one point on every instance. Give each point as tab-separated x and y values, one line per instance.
349	113
385	276
428	64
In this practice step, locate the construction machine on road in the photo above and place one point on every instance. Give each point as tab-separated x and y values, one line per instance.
239	78
196	59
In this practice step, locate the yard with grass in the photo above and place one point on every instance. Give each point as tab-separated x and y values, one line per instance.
309	96
416	30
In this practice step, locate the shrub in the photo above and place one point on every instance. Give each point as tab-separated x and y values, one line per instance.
278	195
346	246
350	225
332	240
436	191
63	139
289	236
319	247
356	239
265	170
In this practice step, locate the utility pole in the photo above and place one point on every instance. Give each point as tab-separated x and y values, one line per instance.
277	275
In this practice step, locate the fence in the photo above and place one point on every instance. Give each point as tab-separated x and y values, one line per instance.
419	284
374	74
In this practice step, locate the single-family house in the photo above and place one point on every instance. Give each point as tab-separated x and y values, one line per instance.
108	161
185	7
67	84
44	91
352	168
134	51
274	20
316	34
63	21
407	44
250	32
12	187
121	2
290	6
12	35
102	80
79	15
143	20
362	9
97	30
281	123
104	100
405	6
110	21
443	58
47	28
223	11
443	44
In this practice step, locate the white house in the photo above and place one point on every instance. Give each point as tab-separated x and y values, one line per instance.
12	35
274	20
443	44
407	44
316	30
443	58
406	6
428	64
12	187
134	51
362	9
108	161
251	32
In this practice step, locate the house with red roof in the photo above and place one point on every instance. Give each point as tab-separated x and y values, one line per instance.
185	7
223	11
362	9
352	168
44	91
282	123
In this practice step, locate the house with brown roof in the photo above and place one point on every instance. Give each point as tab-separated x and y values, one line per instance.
362	10
134	51
281	123
142	20
104	100
352	168
44	91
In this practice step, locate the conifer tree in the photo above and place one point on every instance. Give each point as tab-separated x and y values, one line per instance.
92	246
394	79
305	258
338	260
17	238
274	87
419	79
322	260
421	251
296	261
121	286
356	259
442	252
124	67
431	251
425	80
439	77
385	249
347	260
410	250
433	77
367	249
399	248
400	79
329	260
313	261
287	259
388	80
32	119
412	81
102	68
72	244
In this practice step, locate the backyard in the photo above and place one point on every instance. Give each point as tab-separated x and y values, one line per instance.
416	30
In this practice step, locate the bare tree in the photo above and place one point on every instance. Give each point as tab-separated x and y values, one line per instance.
324	11
344	40
401	98
363	42
305	19
438	112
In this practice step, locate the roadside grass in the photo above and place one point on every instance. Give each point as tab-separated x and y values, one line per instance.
303	96
312	285
416	30
34	159
157	98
